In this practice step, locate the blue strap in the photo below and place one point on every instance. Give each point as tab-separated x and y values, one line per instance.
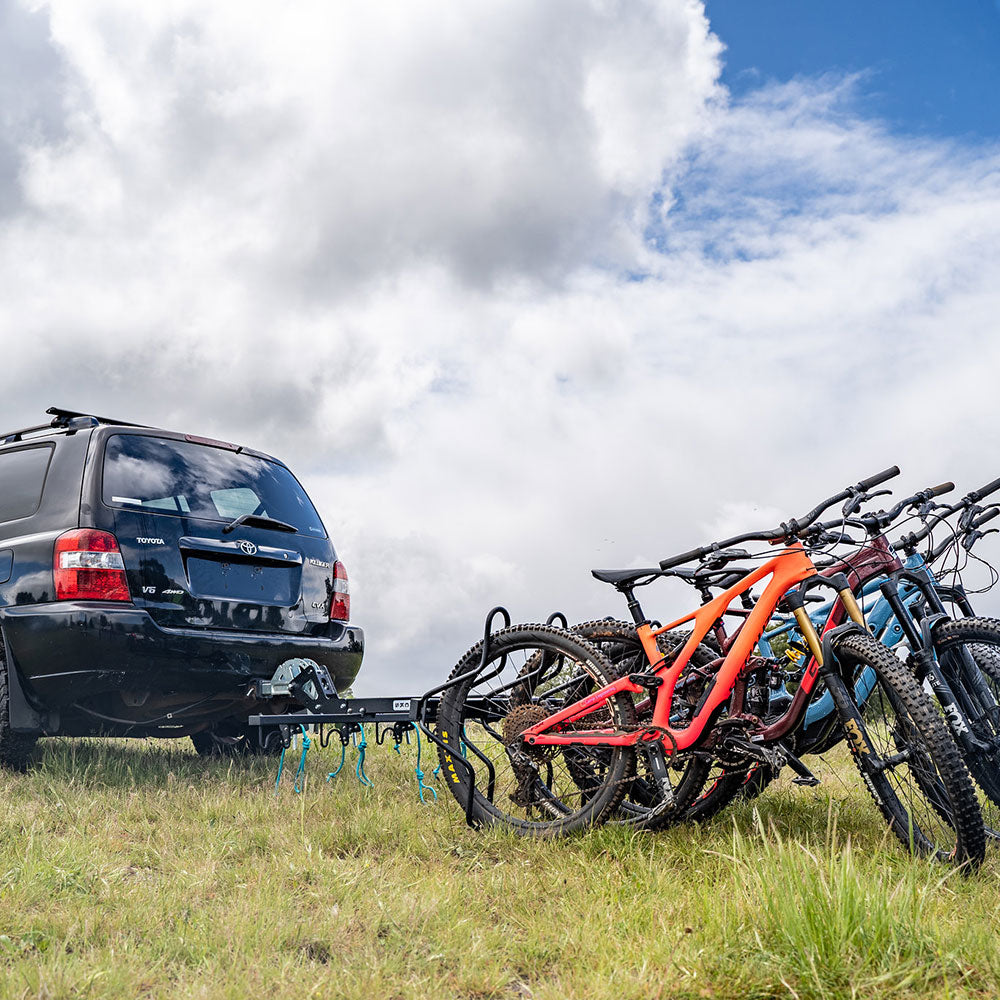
421	787
306	744
299	774
343	755
360	769
281	767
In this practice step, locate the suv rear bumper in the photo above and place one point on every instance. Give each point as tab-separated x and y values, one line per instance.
74	650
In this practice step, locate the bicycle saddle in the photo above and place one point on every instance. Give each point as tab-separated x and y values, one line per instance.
617	576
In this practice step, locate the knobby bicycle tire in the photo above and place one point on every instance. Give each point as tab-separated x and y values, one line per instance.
924	791
536	791
979	697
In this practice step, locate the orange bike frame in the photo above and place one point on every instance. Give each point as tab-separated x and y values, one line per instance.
788	568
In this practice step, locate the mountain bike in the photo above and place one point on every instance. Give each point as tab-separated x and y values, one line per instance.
958	665
559	745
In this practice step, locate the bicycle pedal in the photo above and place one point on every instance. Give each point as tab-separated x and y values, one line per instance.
808	782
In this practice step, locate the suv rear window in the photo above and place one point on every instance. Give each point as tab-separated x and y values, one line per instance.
22	476
176	477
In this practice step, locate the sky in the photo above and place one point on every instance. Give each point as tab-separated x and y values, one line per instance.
929	68
517	289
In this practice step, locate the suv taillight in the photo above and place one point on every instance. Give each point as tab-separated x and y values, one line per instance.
340	601
88	566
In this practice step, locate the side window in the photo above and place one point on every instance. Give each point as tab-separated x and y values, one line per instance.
22	476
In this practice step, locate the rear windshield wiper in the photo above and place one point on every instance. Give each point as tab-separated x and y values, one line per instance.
260	521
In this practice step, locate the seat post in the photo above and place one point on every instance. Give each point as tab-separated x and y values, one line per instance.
633	604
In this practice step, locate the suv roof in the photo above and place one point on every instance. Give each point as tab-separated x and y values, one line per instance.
68	421
62	420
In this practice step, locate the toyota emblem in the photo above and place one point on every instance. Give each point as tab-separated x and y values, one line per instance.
248	548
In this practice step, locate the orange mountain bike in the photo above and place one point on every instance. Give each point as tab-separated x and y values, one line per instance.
549	733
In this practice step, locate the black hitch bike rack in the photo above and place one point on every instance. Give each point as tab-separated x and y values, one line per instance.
313	688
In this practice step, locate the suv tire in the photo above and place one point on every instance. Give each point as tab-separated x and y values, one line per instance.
15	748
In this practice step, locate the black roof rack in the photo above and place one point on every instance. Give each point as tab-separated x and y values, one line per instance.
61	419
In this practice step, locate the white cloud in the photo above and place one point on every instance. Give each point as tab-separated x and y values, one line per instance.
395	245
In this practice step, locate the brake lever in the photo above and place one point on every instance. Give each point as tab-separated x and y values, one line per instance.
829	538
854	504
927	507
969	515
973	536
719	558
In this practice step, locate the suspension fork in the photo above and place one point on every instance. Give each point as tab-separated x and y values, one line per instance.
796	601
927	668
972	688
841	689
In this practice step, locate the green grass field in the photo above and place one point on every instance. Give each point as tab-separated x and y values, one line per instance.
136	869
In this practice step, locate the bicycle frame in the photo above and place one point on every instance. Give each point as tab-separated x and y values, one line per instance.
873	566
791	567
865	571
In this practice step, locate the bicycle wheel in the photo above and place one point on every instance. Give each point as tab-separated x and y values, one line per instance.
968	652
724	785
908	760
536	791
645	806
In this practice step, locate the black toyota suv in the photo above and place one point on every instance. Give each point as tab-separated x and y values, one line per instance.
149	578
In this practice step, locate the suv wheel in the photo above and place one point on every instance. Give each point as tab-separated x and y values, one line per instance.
15	748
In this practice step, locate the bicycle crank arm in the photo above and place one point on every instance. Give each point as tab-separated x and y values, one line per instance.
804	775
661	773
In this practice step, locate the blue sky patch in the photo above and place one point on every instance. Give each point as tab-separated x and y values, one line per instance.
930	67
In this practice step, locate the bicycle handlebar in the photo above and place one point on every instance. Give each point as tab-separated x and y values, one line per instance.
985	491
983	518
937	491
682	558
877	480
877	522
787	529
911	540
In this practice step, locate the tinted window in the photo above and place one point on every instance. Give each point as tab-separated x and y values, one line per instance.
22	476
177	477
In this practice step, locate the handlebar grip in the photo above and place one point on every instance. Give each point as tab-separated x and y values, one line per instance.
881	477
937	491
988	489
682	558
983	518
